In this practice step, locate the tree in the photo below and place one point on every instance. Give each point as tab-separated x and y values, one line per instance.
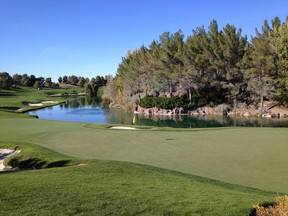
171	60
110	91
36	84
81	81
65	79
48	82
233	46
17	79
5	80
25	80
32	80
280	45
41	81
195	61
60	79
88	89
73	80
260	76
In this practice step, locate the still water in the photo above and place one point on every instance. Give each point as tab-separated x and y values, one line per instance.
89	110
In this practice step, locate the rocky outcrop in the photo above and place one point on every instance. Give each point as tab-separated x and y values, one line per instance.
201	111
204	111
158	111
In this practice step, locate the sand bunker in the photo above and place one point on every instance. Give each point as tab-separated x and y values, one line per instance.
122	128
41	104
4	153
35	104
49	102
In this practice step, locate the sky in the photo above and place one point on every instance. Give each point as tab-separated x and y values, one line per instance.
53	38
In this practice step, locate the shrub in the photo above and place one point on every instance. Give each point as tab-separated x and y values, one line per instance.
223	109
197	100
161	102
278	209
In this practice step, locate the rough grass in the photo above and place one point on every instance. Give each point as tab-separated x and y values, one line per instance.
118	188
277	209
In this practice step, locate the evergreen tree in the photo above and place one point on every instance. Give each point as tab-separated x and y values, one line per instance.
60	79
260	76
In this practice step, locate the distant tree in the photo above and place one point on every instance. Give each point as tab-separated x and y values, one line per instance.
48	82
5	80
25	80
93	81
32	80
36	84
73	80
110	91
60	79
81	81
88	89
41	81
65	79
17	79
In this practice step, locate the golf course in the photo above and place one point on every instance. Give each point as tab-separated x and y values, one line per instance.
91	169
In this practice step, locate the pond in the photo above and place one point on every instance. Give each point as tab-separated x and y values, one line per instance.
89	110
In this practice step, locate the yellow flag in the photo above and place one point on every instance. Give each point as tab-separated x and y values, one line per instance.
134	119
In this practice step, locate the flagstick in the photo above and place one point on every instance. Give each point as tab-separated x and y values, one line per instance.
133	121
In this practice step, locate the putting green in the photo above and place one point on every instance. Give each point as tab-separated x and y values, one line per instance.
253	157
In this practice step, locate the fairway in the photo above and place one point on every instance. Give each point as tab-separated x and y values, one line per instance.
253	157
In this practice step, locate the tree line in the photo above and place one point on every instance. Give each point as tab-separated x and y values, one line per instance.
18	80
209	67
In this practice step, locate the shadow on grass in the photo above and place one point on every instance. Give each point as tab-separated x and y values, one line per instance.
265	205
35	163
5	94
60	163
9	108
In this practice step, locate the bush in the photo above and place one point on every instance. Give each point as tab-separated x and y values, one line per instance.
278	209
161	102
223	108
197	100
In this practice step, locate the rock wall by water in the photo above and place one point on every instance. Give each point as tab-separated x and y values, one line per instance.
210	111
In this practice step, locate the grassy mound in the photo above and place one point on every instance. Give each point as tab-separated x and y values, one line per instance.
118	188
35	157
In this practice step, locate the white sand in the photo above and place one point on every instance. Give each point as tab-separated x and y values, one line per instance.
49	102
35	104
122	128
41	104
4	153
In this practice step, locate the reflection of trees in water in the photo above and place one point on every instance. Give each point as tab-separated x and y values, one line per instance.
80	102
208	121
118	116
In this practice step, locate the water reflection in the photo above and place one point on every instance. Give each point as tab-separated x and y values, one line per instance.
209	121
86	109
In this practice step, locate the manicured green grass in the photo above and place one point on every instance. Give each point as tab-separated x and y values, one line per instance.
118	188
16	98
173	171
253	157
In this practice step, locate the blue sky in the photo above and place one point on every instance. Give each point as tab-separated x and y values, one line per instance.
52	38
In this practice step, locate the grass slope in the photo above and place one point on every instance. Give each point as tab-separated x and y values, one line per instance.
16	98
118	188
253	157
